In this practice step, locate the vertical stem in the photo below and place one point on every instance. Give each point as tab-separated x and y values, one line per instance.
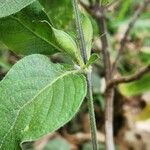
80	31
109	99
91	112
88	77
105	46
109	94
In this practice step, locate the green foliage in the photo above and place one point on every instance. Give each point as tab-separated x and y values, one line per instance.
8	7
66	44
92	59
38	97
35	100
88	33
124	9
25	34
137	87
60	12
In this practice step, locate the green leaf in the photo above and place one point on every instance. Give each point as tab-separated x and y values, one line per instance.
124	8
93	58
25	34
88	33
37	97
137	87
66	44
8	7
60	12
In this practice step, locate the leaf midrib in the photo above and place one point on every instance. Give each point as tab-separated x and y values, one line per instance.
47	86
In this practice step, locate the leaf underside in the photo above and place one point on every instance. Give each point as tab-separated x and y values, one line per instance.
37	97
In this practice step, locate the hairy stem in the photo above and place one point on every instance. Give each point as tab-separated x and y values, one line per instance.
88	77
80	31
91	112
98	12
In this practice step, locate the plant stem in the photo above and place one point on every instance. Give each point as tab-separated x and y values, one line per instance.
109	100
80	32
109	94
91	112
88	77
138	75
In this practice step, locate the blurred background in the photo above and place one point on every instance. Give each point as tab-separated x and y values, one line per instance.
132	100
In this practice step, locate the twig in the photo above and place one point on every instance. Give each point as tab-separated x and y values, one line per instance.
88	77
99	14
104	40
130	26
131	78
109	95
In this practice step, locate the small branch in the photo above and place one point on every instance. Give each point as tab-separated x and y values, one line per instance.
129	28
104	40
131	78
88	77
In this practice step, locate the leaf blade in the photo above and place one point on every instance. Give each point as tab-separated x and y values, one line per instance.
88	33
24	33
26	117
